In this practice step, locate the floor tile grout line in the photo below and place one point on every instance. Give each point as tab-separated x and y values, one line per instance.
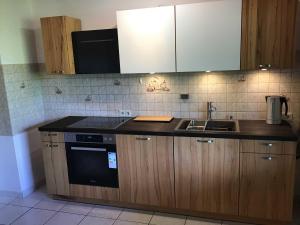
29	208
51	217
81	220
14	204
153	213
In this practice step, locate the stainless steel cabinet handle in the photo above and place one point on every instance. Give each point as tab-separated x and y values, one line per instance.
270	158
88	149
210	141
269	145
143	139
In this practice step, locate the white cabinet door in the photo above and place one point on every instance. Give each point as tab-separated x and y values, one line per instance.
147	40
208	35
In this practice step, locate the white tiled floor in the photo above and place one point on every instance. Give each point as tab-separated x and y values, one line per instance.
39	209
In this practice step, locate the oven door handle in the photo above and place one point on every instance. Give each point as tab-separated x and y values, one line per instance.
88	149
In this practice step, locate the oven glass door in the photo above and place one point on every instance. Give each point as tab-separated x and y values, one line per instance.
92	164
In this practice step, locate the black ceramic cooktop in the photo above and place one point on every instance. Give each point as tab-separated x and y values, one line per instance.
100	122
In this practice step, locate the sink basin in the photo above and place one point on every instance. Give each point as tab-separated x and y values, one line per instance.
217	125
208	125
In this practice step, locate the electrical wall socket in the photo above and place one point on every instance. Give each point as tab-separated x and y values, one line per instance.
290	116
125	113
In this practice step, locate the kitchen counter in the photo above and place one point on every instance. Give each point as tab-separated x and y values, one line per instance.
249	129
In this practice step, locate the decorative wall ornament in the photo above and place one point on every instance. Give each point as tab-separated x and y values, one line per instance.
157	84
58	91
23	85
88	98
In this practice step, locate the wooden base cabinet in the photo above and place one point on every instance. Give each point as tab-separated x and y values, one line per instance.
146	170
207	174
244	180
267	183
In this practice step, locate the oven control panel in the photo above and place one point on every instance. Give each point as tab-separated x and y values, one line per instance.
90	138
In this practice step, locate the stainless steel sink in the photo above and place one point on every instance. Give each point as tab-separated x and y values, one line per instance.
209	125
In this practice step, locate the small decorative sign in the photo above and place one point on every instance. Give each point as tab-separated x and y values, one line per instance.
157	84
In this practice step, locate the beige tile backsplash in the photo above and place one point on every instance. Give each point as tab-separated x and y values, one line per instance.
240	99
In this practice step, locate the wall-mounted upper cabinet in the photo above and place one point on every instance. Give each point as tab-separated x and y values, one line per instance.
147	40
57	40
268	34
208	35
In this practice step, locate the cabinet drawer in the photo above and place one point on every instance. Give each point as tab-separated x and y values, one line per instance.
52	137
45	137
266	146
266	186
57	137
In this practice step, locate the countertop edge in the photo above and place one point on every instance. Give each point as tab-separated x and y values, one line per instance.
246	136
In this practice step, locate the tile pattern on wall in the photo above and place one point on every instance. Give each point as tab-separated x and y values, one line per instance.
32	95
239	99
24	96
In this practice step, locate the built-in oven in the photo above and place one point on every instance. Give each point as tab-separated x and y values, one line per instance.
92	159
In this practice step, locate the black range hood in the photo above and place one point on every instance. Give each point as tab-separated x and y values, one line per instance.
96	51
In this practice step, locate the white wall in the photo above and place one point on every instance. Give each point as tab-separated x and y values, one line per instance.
9	175
29	160
17	44
18	154
94	14
21	167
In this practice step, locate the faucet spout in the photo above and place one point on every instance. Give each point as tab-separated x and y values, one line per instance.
210	109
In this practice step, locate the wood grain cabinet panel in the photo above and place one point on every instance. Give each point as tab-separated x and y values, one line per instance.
94	192
266	186
268	33
48	168
267	146
59	160
55	165
146	170
58	48
52	137
207	174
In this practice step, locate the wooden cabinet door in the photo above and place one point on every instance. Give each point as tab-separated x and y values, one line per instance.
48	167
60	167
266	186
207	174
208	36
147	40
146	170
58	49
52	30
268	33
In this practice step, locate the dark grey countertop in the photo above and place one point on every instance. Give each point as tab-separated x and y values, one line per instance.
249	129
